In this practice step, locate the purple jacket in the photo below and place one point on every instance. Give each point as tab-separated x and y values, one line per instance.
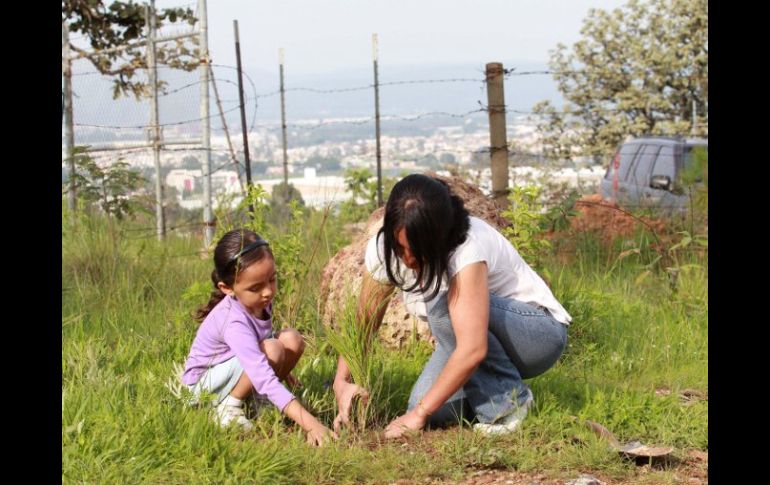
230	331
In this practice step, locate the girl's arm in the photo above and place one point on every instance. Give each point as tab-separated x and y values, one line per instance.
468	302
241	338
317	433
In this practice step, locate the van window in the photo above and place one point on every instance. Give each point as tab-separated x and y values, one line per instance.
622	160
664	164
644	164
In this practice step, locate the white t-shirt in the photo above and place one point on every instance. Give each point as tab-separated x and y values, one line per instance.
509	276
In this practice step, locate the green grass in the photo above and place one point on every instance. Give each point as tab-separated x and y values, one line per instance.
126	304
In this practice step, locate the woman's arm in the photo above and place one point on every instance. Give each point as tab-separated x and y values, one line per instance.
372	303
468	302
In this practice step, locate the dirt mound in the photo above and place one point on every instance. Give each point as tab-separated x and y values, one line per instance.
608	220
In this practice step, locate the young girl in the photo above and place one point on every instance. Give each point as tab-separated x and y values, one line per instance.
234	352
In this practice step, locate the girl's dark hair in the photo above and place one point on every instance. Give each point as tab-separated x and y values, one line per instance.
235	251
436	222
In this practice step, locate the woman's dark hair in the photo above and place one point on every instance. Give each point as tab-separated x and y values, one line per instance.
436	222
235	251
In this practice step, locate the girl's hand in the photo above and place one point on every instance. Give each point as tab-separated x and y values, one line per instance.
411	421
345	393
320	435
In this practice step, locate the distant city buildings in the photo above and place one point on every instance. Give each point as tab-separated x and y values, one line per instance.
322	164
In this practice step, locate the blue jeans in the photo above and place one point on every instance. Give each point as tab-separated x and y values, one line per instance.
523	342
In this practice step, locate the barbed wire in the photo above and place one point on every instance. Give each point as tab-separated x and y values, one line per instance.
363	121
389	117
328	91
504	109
298	125
253	92
431	114
507	73
141	127
193	120
117	154
256	96
141	68
365	87
267	95
433	81
197	83
217	169
543	167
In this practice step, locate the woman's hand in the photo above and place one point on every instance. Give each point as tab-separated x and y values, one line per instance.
345	392
411	421
319	435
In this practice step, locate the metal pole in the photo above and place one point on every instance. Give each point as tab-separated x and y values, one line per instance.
283	131
227	132
69	131
208	223
497	133
377	120
693	128
244	128
155	129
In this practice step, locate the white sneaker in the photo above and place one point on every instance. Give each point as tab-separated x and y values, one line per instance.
226	414
509	423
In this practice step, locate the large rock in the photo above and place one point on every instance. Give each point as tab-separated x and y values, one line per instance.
343	274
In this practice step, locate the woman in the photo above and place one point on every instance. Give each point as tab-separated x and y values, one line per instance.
494	319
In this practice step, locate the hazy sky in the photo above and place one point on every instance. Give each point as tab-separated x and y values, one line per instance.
324	35
328	45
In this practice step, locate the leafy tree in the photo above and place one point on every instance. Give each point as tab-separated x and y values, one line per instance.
278	195
637	69
121	24
108	187
281	207
525	231
363	188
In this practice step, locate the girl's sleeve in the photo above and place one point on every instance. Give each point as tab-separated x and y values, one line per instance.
244	343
